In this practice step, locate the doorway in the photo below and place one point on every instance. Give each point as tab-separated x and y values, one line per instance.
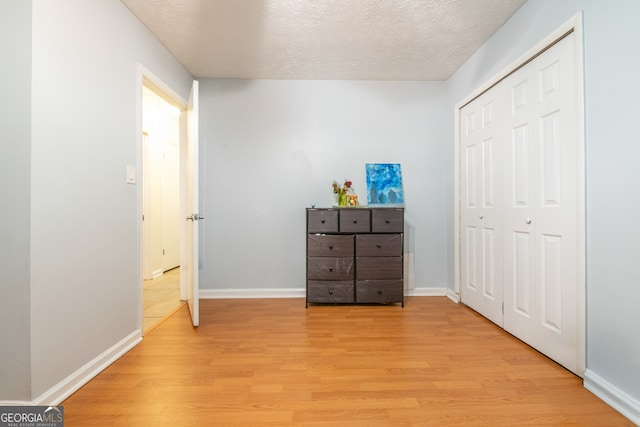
160	208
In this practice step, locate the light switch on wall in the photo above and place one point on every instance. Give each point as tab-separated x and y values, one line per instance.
131	174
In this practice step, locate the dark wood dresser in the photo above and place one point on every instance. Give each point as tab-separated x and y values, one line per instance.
355	255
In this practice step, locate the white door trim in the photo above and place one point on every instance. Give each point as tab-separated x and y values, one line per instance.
572	25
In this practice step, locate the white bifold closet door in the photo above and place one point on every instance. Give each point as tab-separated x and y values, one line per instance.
518	207
482	204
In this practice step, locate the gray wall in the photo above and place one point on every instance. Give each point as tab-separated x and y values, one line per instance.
270	148
15	145
83	240
611	38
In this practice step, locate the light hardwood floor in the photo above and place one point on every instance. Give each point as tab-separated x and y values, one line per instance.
160	298
271	362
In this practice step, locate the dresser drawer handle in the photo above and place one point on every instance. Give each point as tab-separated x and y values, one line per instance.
379	245
355	221
331	269
387	221
379	292
330	246
330	291
322	220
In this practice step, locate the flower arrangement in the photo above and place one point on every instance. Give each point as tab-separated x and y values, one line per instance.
341	191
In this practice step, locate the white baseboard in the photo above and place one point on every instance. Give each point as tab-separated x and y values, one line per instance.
296	293
453	296
65	388
15	403
426	292
617	399
251	293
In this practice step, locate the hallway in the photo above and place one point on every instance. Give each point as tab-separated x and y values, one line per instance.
161	298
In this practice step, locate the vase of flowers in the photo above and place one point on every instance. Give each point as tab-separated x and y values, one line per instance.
341	191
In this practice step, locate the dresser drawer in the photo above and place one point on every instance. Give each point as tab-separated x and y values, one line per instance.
387	220
330	292
330	245
322	221
370	268
355	220
330	268
378	245
378	291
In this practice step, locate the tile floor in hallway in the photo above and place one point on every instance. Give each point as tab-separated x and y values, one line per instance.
161	297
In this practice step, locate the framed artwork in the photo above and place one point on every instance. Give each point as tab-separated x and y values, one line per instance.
384	184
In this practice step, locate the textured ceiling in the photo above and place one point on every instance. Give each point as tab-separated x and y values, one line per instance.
323	39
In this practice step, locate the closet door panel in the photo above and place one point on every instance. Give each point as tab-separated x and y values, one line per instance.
481	205
542	205
556	225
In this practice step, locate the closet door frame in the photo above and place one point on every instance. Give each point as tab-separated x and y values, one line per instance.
572	25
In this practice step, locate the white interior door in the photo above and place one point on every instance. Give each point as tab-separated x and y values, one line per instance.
190	216
540	254
481	152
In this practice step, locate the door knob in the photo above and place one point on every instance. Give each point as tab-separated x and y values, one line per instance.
194	217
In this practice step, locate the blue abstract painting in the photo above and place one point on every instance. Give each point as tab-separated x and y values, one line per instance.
384	184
